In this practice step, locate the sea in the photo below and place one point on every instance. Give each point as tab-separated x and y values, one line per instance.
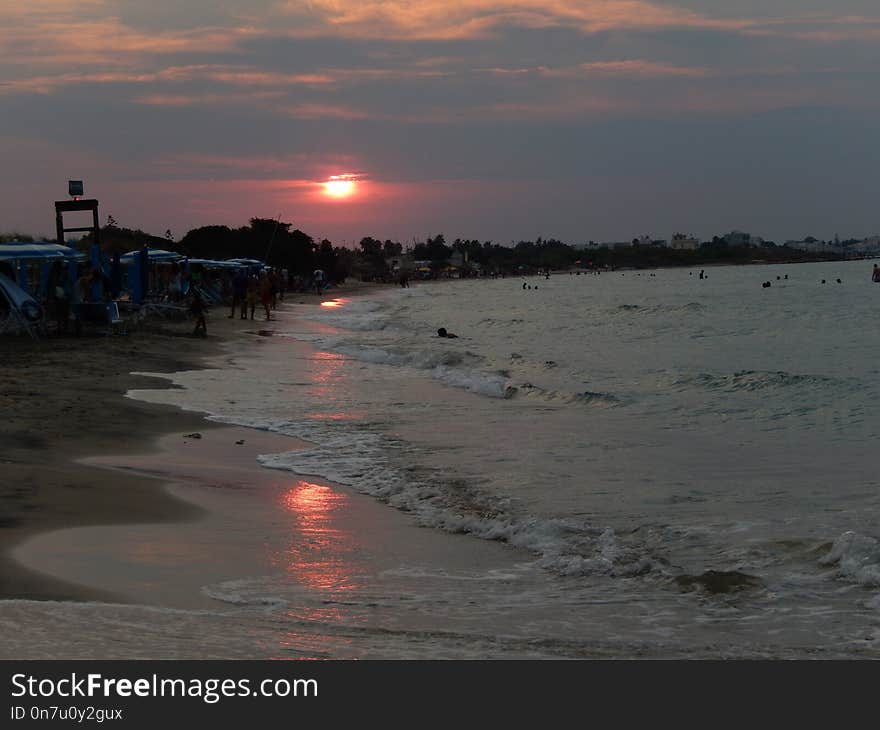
629	464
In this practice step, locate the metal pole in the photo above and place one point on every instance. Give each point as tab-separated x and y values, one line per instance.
272	238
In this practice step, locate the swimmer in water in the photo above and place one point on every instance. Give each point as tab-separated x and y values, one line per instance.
443	333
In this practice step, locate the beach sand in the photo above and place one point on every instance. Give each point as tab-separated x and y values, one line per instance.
211	481
63	399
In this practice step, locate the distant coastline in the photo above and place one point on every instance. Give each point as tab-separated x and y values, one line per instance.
280	245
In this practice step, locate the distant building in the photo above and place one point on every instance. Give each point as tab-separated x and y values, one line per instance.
868	245
738	238
682	242
648	242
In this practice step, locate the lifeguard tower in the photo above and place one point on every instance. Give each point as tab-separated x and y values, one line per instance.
75	190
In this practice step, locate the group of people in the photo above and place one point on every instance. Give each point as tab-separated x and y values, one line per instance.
174	283
67	299
247	289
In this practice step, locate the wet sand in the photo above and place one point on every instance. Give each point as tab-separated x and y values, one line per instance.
63	399
161	562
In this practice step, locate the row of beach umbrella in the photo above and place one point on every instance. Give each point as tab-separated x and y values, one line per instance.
44	251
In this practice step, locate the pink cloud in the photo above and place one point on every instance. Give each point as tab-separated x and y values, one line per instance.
444	20
205	98
629	67
219	74
59	33
325	111
310	166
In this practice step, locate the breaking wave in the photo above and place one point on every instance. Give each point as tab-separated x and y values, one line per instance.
372	464
586	397
855	557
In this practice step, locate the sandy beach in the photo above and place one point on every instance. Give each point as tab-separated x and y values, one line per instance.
63	400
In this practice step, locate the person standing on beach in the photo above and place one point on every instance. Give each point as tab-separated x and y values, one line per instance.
197	308
318	277
82	293
875	277
175	283
251	297
239	293
274	282
266	295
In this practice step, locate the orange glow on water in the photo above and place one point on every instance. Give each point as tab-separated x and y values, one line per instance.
332	303
318	561
338	416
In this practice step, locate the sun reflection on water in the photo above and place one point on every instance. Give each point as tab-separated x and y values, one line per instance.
318	559
333	303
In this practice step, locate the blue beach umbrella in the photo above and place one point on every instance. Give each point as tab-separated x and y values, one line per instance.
115	275
36	252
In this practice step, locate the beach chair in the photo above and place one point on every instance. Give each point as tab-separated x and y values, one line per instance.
114	319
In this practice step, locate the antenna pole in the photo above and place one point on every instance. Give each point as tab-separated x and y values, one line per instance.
272	238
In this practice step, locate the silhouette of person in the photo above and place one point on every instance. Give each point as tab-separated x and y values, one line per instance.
197	309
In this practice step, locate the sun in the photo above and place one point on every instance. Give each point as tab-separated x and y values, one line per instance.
340	186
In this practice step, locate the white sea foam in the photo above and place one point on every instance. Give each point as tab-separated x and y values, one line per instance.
243	592
456	368
857	557
369	463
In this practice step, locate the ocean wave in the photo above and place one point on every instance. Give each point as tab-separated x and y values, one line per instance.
240	593
361	315
856	557
753	380
457	368
381	467
499	322
586	397
420	358
460	369
658	308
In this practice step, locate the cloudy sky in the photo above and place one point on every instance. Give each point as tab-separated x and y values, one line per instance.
496	119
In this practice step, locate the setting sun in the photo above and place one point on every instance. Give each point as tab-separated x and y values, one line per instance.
340	186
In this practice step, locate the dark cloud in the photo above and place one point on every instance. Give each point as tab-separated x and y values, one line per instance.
503	120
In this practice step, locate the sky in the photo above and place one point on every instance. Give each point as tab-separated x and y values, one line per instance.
501	120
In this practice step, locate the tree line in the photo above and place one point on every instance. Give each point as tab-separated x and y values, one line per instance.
280	244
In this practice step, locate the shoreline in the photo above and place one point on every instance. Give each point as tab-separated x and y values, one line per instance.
191	472
64	402
270	564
